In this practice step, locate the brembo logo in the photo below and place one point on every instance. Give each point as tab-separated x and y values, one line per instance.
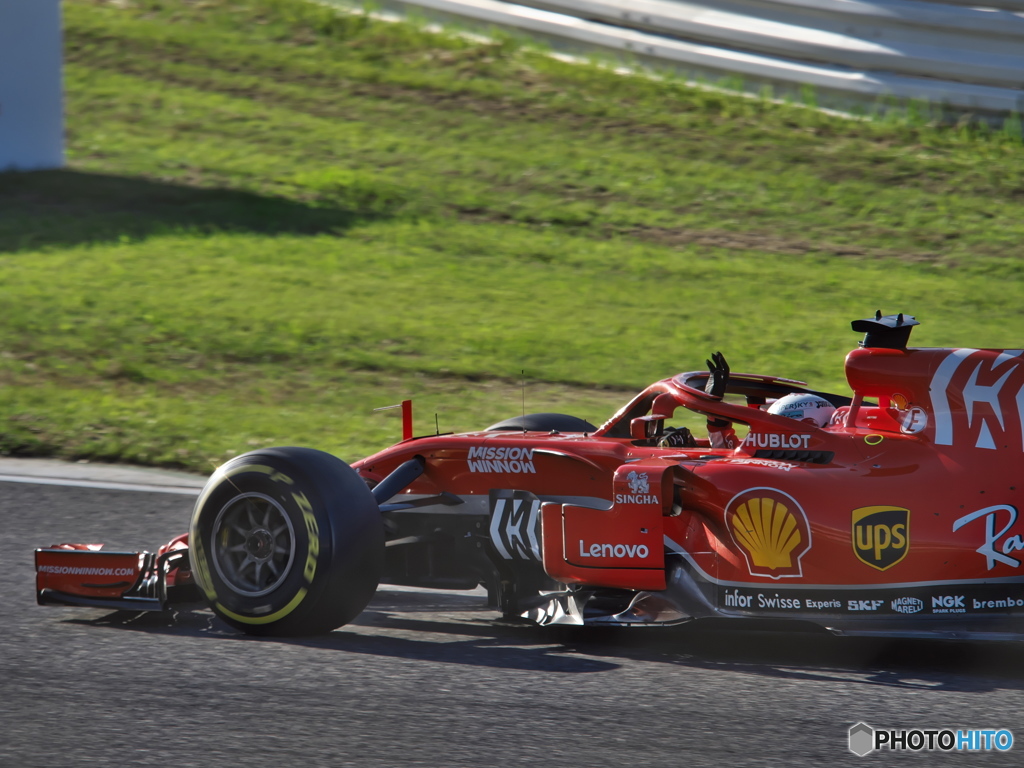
614	550
490	459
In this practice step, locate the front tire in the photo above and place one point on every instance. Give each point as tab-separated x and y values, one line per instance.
287	541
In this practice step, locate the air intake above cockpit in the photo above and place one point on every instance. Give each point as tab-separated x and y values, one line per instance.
889	332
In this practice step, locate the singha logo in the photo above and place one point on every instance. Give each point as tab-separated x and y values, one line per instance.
638	482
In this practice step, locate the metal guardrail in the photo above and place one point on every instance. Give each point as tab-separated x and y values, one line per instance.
850	54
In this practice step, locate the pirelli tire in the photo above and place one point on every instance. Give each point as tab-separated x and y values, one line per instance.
287	541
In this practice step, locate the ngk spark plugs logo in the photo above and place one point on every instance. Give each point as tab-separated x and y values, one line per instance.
881	535
771	530
978	399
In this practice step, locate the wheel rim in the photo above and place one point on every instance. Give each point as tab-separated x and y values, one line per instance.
253	544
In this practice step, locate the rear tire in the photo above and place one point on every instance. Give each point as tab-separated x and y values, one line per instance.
287	541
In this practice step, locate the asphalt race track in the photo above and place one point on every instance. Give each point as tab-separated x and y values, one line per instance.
431	679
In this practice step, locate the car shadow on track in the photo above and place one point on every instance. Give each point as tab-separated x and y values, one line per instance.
494	648
911	664
463	631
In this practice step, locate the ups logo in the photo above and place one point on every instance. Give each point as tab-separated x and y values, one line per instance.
881	535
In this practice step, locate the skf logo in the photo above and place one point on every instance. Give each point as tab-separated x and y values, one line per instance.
863	605
881	535
771	530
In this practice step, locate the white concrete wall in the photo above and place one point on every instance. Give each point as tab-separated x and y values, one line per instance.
857	55
31	98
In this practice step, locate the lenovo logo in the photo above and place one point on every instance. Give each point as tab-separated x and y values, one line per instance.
614	550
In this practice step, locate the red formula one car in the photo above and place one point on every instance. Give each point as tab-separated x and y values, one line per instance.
897	516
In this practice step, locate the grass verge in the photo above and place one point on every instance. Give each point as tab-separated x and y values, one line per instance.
276	218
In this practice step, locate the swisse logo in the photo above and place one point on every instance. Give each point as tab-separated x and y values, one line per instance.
881	535
772	440
948	604
776	602
614	550
511	460
907	605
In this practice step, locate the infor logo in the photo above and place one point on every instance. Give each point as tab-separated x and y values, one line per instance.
881	535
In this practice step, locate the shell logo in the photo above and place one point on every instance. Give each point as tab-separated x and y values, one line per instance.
771	531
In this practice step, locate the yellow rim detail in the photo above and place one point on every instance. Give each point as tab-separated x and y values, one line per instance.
873	439
262	469
265	619
199	569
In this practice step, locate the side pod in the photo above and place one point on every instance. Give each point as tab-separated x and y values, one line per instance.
621	546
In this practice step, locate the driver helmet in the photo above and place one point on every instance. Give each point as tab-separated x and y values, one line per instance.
805	407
